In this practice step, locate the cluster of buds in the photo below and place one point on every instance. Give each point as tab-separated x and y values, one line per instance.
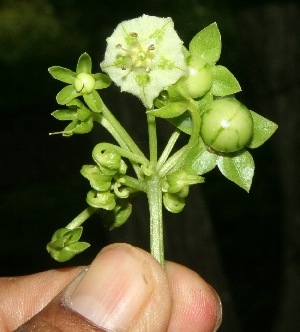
176	188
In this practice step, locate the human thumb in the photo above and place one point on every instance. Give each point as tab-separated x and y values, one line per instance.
123	289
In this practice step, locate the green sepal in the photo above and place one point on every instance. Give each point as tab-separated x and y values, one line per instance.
263	129
171	110
66	114
62	74
83	127
83	114
64	244
103	200
238	167
69	130
84	64
68	252
66	94
207	44
94	101
102	81
199	160
224	83
119	215
173	202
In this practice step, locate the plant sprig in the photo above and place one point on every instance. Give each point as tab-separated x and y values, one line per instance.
185	87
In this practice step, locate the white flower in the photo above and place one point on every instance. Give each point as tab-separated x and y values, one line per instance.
144	56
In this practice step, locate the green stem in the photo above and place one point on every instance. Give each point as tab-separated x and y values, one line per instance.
173	160
152	140
154	194
167	150
82	217
119	139
176	160
122	134
137	185
121	151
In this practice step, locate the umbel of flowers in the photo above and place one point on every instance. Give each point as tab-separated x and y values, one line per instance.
183	85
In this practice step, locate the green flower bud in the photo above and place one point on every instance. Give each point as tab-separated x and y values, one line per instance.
103	200
179	182
98	180
84	83
109	162
173	202
64	244
119	215
200	77
227	125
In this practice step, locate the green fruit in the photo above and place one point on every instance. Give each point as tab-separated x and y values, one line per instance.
200	77
227	125
84	83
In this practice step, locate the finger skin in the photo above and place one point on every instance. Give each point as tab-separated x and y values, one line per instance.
22	297
196	305
181	300
56	317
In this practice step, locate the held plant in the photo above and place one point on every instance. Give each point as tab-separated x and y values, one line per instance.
184	86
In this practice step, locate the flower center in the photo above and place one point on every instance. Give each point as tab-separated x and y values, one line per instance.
136	55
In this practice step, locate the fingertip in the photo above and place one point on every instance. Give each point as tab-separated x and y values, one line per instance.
196	305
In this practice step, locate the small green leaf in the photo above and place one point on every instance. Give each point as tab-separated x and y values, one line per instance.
183	123
171	110
102	81
62	74
207	44
66	95
84	64
66	114
199	160
224	83
262	131
238	167
94	101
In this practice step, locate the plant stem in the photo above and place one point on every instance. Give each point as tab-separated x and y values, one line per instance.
116	127
82	217
154	195
152	140
165	154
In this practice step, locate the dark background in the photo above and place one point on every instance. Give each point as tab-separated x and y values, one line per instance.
249	243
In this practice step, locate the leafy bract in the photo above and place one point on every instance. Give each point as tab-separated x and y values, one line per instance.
263	130
224	83
207	44
238	167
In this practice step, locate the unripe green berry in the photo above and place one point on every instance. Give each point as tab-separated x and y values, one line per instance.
227	125
200	77
84	83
